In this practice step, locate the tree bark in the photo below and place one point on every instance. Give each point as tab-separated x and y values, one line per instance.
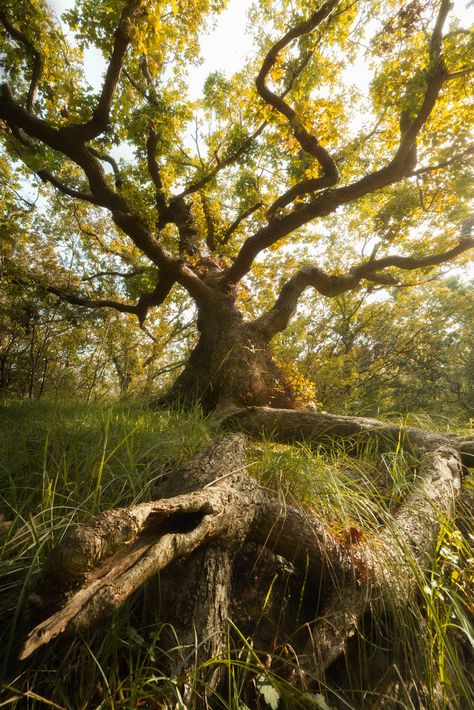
208	512
231	365
324	428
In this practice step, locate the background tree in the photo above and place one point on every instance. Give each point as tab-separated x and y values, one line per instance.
409	350
57	348
266	164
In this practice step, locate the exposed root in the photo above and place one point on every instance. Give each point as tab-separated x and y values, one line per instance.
389	567
287	425
215	507
329	635
105	587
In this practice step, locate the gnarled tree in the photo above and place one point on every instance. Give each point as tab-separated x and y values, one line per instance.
282	162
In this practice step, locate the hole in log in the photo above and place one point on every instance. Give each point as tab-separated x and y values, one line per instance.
181	522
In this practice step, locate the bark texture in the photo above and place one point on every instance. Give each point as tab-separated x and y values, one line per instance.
323	428
386	569
231	365
208	514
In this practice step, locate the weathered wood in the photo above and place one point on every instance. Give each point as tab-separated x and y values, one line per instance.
104	588
196	593
329	635
105	561
213	509
298	536
289	425
388	568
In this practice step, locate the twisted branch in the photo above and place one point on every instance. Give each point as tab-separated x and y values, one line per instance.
328	201
276	319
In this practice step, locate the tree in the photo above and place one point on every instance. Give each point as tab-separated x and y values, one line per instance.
272	165
169	203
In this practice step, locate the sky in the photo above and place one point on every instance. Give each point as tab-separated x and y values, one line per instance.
224	48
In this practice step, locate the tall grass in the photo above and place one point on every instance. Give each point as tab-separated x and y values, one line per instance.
431	634
60	464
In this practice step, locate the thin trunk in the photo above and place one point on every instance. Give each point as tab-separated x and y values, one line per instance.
3	375
43	378
32	360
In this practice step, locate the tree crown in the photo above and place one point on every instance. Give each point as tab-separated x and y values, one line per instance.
209	185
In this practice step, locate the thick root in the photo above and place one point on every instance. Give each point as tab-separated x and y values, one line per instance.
215	507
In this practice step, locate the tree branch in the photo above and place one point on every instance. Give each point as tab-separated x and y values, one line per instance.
77	299
327	202
236	223
123	35
18	118
154	170
68	144
155	297
111	161
139	309
121	274
298	190
46	176
308	142
277	318
444	163
38	62
460	72
210	226
202	182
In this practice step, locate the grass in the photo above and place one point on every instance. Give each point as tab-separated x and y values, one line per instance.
60	464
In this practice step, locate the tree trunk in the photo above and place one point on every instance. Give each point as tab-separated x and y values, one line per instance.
231	366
